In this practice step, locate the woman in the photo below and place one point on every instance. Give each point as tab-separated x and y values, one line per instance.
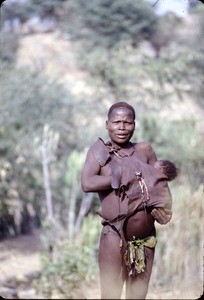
110	170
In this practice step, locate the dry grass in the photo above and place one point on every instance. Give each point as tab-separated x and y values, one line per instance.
178	266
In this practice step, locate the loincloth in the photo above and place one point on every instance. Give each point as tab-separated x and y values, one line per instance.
134	256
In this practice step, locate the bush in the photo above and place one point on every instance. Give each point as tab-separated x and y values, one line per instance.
107	23
9	47
73	264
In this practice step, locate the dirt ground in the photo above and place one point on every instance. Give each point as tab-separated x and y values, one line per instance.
19	264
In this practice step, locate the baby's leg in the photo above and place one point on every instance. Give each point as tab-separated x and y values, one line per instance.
110	263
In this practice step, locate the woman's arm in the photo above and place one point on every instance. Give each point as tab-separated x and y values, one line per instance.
151	155
164	215
146	151
91	180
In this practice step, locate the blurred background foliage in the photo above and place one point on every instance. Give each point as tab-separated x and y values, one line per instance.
63	64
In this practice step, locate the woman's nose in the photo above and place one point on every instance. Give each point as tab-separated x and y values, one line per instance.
122	126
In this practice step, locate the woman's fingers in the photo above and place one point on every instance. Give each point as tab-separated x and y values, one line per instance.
162	216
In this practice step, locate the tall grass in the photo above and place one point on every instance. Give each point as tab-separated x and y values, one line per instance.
178	261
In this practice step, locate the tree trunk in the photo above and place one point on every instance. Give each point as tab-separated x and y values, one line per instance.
84	208
71	212
48	193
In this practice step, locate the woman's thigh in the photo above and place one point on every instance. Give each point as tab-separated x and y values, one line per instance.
110	264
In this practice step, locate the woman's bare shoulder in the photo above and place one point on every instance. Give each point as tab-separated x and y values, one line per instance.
145	149
144	145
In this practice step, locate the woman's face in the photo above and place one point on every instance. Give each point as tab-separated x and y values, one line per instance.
120	125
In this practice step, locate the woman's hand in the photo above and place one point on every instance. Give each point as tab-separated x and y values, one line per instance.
162	215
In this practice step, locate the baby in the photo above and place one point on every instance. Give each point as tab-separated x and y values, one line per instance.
153	183
168	168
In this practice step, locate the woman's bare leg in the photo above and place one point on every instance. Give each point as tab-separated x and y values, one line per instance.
137	287
110	263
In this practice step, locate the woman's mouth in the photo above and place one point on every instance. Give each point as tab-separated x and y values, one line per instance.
121	136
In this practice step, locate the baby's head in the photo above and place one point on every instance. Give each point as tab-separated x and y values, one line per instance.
168	168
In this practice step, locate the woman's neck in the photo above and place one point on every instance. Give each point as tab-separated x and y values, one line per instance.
127	145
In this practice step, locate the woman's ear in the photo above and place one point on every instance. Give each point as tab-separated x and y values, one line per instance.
107	124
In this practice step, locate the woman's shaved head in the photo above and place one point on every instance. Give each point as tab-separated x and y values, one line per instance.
121	105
